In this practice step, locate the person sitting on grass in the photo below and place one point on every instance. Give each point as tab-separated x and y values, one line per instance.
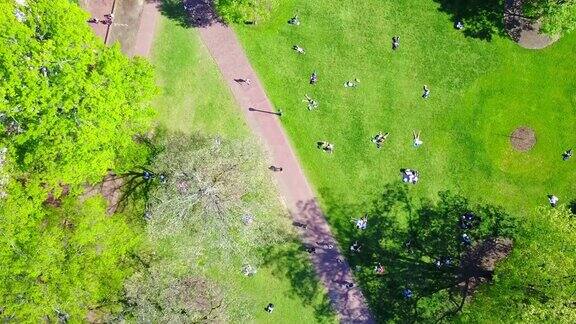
298	49
269	308
553	200
355	247
567	155
426	92
407	293
351	84
410	176
379	269
379	139
312	104
416	139
314	78
459	25
465	239
362	223
294	21
395	42
326	147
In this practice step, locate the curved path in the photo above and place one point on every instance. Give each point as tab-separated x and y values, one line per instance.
331	267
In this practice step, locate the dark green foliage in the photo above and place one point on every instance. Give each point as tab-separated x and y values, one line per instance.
538	282
409	252
482	18
557	16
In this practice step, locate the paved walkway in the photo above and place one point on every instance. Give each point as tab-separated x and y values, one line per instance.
99	8
330	265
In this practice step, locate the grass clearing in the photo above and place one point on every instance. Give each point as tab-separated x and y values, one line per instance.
481	91
195	98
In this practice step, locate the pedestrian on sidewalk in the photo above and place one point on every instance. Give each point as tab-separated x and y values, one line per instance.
275	168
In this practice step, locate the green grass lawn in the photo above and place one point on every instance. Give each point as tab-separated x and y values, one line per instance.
195	98
480	92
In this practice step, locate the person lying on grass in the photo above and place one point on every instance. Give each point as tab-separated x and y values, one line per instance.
312	104
298	49
379	139
326	147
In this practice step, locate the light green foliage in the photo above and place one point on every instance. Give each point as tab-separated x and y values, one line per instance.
73	258
212	184
240	11
70	106
537	284
203	238
558	16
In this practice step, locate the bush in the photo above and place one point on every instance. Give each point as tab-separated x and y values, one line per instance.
238	11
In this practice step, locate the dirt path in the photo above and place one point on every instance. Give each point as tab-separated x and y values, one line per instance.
330	265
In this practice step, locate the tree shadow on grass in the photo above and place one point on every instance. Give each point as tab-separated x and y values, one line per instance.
190	13
482	18
293	263
419	243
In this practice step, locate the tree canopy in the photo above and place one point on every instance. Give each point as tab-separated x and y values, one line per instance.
538	282
208	212
69	109
70	105
430	270
557	16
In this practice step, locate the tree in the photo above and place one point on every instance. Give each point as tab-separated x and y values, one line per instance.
557	16
70	105
73	259
156	296
208	201
538	282
214	191
431	271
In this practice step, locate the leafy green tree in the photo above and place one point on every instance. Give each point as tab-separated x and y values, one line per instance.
557	16
70	259
70	106
429	270
538	282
